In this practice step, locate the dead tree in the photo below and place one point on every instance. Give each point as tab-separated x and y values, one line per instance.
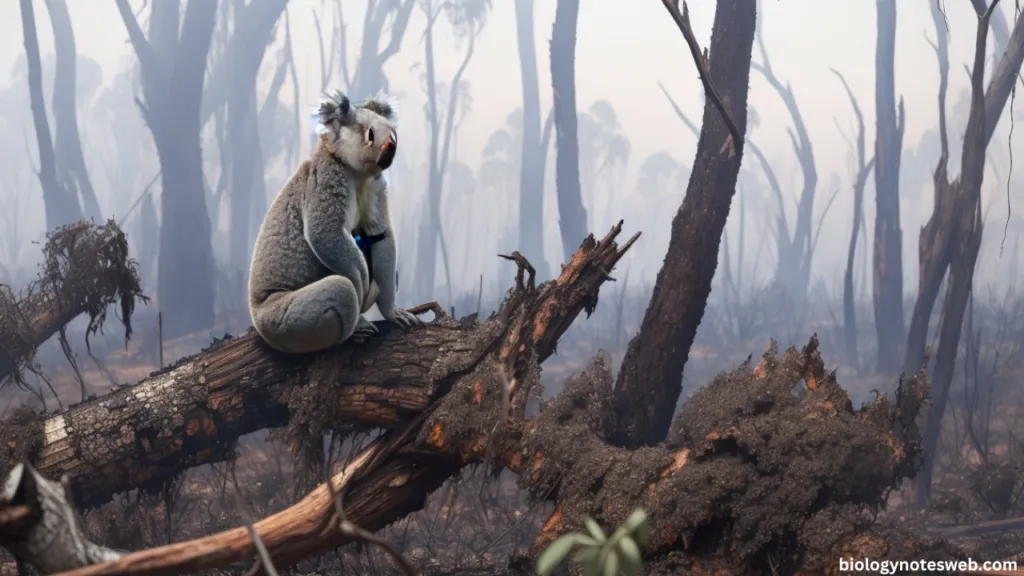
254	25
468	19
860	180
70	162
650	379
572	215
533	156
172	59
793	272
61	206
888	239
951	238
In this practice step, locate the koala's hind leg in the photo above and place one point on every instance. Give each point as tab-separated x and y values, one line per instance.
312	318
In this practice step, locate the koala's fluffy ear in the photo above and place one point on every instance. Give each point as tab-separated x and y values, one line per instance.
334	112
382	104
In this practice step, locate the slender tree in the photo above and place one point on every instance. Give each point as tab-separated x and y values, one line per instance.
888	257
572	215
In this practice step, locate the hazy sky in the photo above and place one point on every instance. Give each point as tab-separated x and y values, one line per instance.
624	49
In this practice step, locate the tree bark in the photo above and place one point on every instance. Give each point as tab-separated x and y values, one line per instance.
533	157
888	255
955	229
70	161
86	268
173	69
572	215
190	413
61	206
650	379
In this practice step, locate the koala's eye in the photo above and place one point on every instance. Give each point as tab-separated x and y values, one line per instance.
369	135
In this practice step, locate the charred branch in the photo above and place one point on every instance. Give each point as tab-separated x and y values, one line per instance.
650	379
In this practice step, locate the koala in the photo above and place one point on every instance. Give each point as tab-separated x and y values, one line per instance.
326	250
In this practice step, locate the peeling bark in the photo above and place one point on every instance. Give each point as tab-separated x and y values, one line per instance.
650	379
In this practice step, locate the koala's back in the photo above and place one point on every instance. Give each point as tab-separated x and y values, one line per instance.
282	259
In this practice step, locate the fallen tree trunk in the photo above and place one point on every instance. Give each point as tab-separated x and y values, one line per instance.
190	413
86	268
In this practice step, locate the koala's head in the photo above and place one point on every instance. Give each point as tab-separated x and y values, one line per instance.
364	137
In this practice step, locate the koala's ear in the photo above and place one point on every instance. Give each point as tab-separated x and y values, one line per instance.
335	111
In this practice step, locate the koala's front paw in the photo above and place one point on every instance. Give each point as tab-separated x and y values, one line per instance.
403	318
364	330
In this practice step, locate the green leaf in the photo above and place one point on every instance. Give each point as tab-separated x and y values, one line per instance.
594	528
640	532
555	553
638	517
587	555
611	564
630	556
592	567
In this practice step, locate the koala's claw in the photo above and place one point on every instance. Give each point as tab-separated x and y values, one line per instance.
404	318
364	330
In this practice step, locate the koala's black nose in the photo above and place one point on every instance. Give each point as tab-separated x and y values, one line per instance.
387	154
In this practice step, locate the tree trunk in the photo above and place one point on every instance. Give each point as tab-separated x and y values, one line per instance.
572	215
192	413
650	379
888	257
253	33
70	161
531	190
61	206
956	227
185	266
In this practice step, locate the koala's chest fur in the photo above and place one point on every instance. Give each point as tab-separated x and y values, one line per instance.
361	210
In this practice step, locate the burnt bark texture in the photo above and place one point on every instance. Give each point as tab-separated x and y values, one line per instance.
85	269
887	285
650	378
951	239
70	162
172	59
572	215
864	167
439	387
534	156
60	205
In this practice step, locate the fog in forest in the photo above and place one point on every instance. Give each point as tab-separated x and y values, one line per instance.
182	121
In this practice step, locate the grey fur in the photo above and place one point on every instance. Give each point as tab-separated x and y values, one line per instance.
309	283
